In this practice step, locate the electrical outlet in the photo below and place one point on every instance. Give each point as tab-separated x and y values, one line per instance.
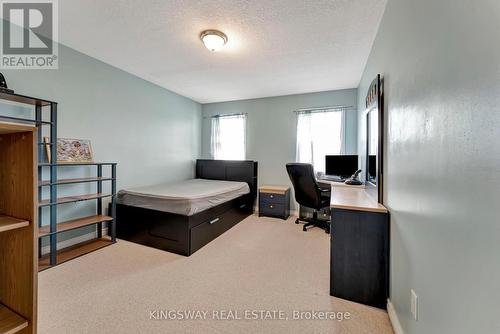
414	305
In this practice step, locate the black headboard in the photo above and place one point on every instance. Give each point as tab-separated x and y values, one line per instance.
229	170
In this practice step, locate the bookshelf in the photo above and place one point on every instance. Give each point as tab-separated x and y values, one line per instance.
18	228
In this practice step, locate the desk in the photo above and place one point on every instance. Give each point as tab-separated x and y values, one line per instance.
354	199
359	247
340	184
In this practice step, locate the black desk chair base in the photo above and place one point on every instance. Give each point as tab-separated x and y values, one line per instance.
315	222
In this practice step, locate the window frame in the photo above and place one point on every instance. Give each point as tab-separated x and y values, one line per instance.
213	150
343	125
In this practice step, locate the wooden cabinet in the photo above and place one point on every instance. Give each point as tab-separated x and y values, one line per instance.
274	201
18	228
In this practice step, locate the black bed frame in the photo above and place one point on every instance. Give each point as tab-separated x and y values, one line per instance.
186	234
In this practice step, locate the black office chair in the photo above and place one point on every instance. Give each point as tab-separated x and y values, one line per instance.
309	194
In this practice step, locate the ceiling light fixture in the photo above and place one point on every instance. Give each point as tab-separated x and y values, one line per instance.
214	40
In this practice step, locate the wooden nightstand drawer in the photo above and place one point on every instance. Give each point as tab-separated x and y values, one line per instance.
273	210
274	201
272	198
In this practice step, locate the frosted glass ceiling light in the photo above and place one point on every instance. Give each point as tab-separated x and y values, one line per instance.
214	40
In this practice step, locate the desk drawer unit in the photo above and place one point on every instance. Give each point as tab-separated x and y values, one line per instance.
359	267
274	201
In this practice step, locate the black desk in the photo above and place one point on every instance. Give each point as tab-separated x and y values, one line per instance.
359	262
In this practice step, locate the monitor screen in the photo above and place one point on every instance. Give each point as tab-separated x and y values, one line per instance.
372	168
341	165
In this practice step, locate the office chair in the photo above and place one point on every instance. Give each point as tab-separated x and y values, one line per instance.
309	194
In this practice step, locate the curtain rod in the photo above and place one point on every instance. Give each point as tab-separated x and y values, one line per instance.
225	115
319	109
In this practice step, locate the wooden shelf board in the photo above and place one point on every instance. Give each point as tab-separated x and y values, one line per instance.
24	99
274	189
70	199
8	223
75	223
10	321
62	164
78	180
6	128
75	251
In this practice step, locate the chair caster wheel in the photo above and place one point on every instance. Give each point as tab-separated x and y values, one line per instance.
304	229
297	221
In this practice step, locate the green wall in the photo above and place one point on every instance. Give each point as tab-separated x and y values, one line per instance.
271	128
440	60
153	133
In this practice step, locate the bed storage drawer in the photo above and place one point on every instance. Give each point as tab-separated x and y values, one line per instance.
204	233
148	227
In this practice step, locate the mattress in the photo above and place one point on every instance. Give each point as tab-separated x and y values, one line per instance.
184	198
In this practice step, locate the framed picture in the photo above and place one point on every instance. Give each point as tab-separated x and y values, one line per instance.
74	151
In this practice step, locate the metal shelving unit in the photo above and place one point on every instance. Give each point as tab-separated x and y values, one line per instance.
51	230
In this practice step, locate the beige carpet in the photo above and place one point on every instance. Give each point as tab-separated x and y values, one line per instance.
262	264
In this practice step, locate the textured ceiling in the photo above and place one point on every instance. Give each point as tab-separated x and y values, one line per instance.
276	47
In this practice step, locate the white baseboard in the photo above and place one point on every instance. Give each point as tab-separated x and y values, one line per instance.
73	241
393	316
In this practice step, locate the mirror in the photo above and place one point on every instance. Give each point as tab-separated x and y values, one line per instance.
374	140
372	146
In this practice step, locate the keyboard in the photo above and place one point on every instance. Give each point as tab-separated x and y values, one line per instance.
332	178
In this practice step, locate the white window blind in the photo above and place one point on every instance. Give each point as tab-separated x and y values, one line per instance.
228	138
320	133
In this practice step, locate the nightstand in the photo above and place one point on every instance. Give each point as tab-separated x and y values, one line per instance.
274	201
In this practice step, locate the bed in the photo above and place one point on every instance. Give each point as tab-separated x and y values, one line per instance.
185	216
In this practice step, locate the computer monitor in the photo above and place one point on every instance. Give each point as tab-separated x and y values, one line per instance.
341	165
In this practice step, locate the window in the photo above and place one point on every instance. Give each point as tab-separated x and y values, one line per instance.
319	133
228	137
